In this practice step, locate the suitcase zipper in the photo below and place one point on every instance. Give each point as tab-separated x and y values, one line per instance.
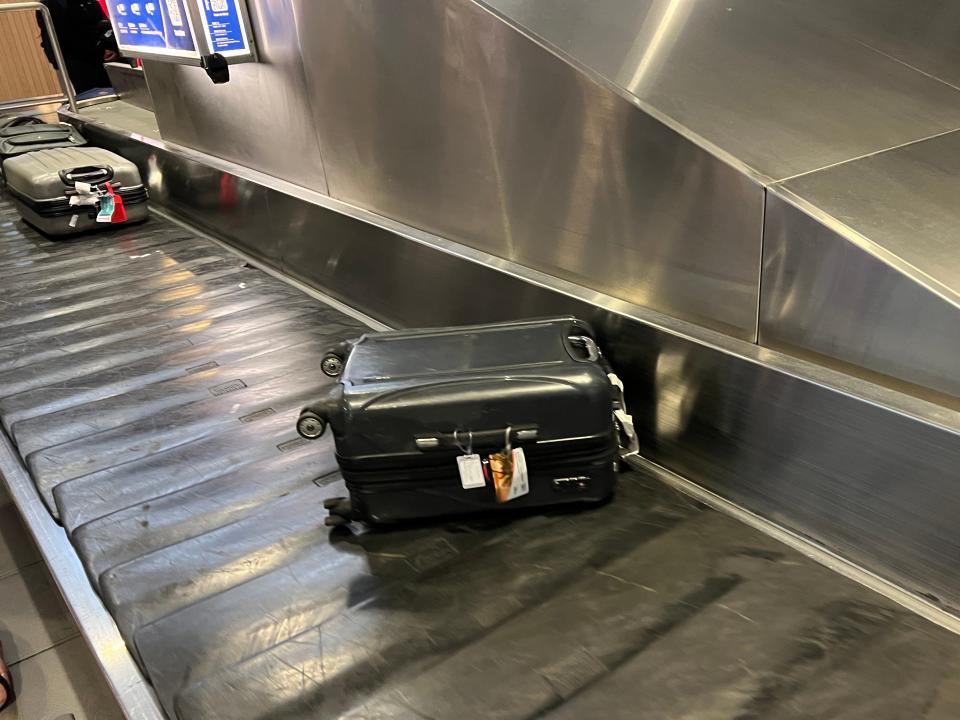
397	476
56	207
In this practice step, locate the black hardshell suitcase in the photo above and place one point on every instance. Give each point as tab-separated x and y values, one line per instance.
409	403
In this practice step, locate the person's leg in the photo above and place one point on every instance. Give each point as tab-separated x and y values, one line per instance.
6	683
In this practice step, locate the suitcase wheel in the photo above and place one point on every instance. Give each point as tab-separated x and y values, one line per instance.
331	365
340	508
331	503
310	425
335	521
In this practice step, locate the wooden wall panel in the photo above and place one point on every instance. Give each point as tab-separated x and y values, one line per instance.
24	70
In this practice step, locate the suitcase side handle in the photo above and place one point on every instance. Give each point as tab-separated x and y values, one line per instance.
92	174
584	345
469	439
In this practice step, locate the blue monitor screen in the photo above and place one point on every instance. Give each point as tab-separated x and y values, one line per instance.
152	25
224	26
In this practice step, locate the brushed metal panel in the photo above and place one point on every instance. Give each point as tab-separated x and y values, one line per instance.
443	117
771	82
904	200
130	84
861	264
920	34
829	293
261	118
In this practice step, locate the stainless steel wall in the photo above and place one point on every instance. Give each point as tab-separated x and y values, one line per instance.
440	115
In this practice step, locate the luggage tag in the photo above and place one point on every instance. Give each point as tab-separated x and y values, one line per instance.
629	440
85	194
509	470
469	465
106	209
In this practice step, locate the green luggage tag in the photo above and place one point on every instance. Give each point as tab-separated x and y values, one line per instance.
106	209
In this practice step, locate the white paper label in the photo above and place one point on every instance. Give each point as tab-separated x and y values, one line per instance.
83	188
73	221
471	472
519	484
626	423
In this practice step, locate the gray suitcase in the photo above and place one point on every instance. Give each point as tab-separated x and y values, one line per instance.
41	184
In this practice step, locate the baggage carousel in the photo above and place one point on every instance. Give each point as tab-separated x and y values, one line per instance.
149	382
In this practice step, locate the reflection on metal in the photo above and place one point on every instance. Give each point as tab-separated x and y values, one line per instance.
650	49
676	390
829	456
44	12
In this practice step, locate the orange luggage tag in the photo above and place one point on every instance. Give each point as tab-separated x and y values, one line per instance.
509	470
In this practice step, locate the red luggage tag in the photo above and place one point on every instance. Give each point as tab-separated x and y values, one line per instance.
119	211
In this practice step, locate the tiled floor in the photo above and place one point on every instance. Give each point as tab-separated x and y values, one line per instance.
54	673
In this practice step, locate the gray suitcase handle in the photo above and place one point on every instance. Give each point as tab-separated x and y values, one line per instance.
93	174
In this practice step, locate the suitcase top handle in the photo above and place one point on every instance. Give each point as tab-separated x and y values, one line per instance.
46	136
18	129
20	121
92	174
